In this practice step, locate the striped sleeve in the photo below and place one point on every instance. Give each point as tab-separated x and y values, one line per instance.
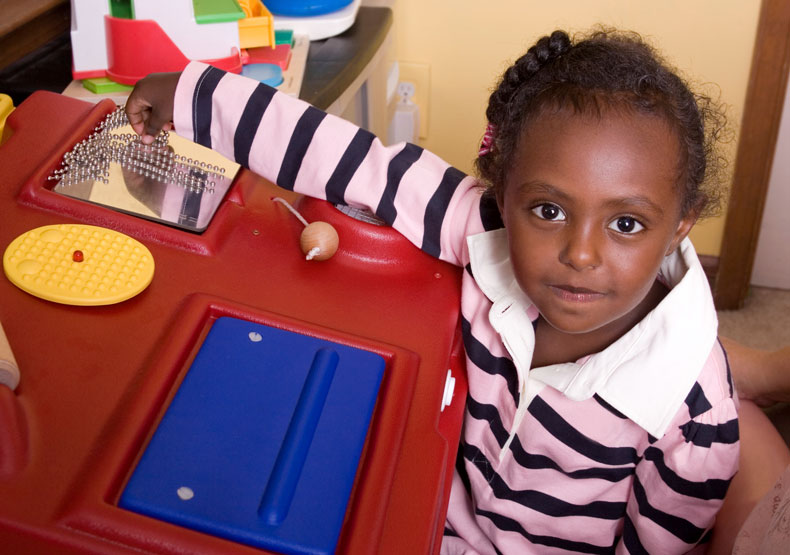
303	149
682	478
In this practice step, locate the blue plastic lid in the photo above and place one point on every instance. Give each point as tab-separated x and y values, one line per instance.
268	74
305	8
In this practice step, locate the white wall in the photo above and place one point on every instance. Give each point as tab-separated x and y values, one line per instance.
772	258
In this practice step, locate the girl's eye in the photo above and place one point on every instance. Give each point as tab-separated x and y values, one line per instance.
548	211
626	224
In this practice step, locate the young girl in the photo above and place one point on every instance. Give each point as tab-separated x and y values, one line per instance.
601	415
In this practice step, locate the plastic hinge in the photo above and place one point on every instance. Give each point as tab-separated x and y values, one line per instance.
449	389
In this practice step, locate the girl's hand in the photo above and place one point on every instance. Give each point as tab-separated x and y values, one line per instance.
150	105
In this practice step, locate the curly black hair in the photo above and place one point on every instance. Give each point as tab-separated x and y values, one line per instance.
604	70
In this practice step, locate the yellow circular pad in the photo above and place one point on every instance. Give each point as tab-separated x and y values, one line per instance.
110	267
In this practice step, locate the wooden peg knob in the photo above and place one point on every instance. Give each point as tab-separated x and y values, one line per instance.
318	241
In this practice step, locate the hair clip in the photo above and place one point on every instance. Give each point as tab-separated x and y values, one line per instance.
488	140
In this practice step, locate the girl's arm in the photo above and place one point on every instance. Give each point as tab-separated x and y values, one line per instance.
681	481
303	149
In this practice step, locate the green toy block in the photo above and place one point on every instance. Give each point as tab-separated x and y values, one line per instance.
284	36
102	85
122	8
217	11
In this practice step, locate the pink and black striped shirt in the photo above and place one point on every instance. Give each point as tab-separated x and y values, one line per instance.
629	450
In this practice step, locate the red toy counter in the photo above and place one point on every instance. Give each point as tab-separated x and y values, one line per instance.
96	381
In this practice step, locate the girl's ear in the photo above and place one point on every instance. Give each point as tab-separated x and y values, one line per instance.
684	226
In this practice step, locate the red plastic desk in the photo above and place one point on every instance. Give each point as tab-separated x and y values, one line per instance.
95	380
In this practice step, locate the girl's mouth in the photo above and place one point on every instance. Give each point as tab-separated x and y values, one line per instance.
575	294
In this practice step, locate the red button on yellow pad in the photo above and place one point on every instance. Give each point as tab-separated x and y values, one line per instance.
78	264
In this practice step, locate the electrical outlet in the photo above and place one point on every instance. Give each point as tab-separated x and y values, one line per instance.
420	76
406	91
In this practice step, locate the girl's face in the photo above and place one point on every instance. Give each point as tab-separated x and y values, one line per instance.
591	209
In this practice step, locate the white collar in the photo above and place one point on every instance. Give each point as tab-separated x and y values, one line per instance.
646	374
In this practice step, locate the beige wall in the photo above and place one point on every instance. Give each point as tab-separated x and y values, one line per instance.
468	44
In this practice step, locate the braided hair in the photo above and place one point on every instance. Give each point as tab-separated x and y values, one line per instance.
604	71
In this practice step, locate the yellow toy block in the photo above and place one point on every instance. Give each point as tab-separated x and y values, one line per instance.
6	107
256	29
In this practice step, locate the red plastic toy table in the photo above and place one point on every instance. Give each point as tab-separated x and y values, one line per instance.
95	381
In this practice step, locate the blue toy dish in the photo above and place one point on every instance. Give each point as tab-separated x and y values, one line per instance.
305	8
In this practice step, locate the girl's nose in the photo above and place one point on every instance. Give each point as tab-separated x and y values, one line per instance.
581	249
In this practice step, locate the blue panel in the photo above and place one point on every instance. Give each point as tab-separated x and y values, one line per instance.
262	440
